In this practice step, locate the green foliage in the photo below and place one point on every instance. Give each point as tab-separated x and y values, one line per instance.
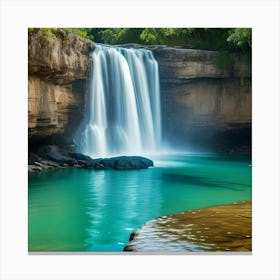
240	37
109	36
51	33
237	39
204	38
165	36
148	36
223	61
223	39
115	36
82	32
48	34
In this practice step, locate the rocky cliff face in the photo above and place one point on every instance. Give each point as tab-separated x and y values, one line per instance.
58	68
206	98
206	101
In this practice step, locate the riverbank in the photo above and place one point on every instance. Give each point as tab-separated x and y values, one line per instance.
218	228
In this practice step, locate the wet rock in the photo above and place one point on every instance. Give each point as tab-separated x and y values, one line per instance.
32	168
132	163
40	164
50	163
79	156
82	163
132	235
120	163
54	153
33	157
93	164
53	156
128	248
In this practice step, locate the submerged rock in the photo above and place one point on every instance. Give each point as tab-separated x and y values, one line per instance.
218	228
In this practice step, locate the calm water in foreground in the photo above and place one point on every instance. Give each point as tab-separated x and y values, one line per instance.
87	210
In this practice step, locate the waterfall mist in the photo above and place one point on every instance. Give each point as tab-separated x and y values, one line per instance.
123	114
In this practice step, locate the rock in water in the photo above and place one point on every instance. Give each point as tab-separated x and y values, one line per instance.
120	163
54	156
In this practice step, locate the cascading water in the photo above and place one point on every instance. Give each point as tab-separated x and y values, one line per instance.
123	114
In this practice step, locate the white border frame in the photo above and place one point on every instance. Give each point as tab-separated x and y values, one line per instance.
17	16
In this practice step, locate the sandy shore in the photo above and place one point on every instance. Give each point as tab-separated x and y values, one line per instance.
218	228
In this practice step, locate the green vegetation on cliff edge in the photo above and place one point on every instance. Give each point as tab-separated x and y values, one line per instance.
225	39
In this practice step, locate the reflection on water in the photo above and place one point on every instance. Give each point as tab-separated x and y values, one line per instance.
107	219
88	210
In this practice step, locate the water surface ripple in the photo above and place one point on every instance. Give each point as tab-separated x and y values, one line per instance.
87	210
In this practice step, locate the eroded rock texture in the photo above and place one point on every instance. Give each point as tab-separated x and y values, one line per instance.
204	104
58	69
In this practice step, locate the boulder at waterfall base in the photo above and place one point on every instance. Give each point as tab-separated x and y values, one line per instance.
53	156
121	163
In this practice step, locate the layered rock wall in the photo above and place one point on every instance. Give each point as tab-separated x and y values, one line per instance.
206	102
58	69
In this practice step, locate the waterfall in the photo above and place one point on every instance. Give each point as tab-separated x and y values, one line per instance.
123	115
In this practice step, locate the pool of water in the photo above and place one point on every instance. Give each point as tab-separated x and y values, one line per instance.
88	210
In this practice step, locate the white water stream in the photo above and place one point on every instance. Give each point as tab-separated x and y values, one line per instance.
123	114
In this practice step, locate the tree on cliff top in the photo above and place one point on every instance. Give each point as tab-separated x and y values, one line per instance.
240	37
199	38
227	39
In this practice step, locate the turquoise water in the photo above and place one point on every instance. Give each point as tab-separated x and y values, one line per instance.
87	210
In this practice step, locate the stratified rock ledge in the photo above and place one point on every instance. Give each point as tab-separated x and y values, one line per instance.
220	228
